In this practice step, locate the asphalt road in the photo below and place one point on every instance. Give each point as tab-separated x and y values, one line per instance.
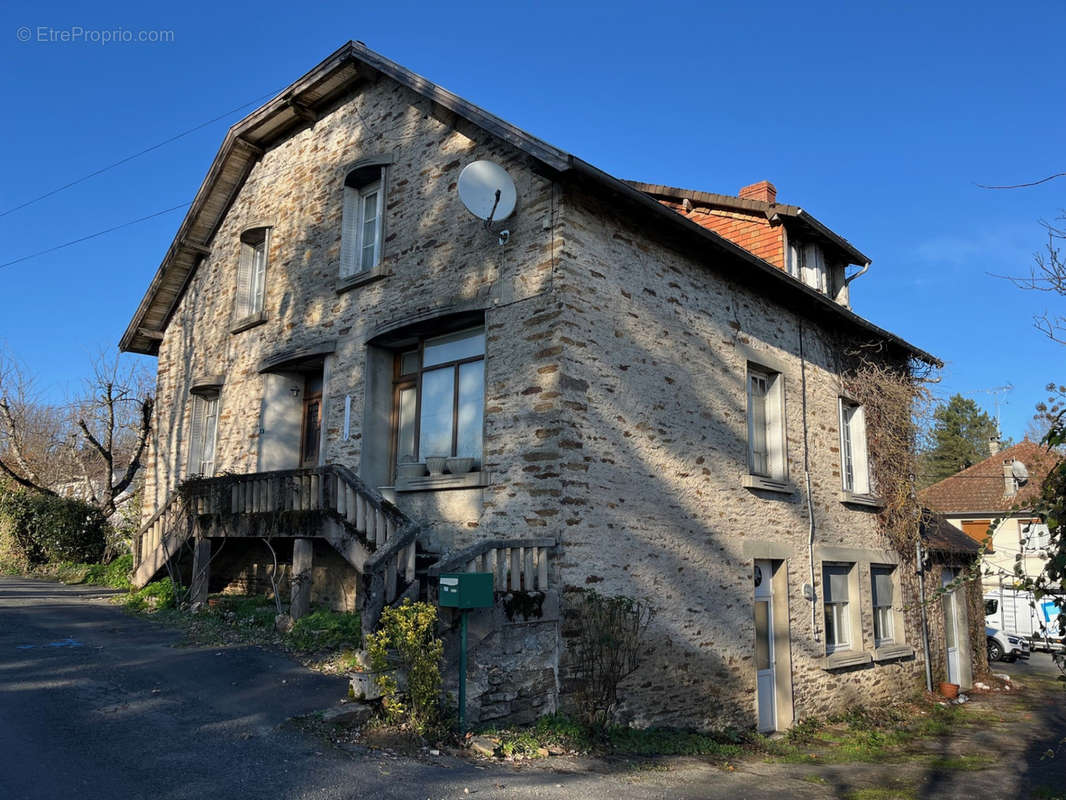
96	704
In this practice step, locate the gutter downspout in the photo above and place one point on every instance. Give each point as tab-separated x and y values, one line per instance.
865	267
925	625
807	476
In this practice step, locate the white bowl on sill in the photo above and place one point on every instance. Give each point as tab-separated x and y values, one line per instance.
410	469
435	464
460	465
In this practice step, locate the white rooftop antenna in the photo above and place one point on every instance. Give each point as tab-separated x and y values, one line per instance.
996	392
488	193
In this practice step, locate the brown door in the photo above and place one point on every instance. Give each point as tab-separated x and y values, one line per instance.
312	423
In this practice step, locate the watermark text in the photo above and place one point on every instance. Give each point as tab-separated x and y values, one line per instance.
77	34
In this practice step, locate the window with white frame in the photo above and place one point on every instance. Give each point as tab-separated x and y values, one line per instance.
882	586
361	228
835	590
440	397
203	434
251	273
854	465
806	262
766	433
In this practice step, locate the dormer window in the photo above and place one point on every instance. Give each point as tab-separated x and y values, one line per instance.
806	262
364	191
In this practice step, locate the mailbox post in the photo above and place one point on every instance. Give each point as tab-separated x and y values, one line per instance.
464	591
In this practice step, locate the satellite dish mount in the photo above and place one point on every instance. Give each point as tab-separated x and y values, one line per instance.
488	193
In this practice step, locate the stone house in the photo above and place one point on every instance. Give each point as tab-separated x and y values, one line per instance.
635	389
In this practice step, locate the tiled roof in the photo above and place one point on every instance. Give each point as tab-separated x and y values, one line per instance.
981	488
940	535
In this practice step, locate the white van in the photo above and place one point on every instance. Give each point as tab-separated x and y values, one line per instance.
1021	614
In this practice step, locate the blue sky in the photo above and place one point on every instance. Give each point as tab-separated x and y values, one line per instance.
879	119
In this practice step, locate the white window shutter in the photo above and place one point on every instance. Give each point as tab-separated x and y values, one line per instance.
259	277
860	458
349	231
244	282
196	435
775	428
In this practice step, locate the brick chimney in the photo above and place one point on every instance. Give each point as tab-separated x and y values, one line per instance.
763	191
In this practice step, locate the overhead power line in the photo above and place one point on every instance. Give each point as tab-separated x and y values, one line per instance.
122	161
1024	185
93	235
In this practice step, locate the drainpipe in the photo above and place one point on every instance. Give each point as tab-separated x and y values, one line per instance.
807	480
865	267
920	564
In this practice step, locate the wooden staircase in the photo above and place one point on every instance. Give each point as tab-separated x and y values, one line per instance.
328	502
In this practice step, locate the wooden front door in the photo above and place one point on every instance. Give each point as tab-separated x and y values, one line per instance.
311	438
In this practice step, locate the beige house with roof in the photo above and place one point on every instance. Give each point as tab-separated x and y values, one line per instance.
635	389
997	493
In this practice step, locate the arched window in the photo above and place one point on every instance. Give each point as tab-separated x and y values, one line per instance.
364	191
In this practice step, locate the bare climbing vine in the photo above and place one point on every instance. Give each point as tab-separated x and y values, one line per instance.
896	403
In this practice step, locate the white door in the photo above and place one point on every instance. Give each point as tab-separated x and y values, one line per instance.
951	624
764	647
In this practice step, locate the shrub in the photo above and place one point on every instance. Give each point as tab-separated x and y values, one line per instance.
406	638
156	595
45	528
326	630
608	649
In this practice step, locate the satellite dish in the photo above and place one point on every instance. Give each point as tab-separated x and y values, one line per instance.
487	191
1020	473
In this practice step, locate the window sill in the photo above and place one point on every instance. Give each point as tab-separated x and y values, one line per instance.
349	282
868	500
889	651
433	483
248	322
846	658
767	484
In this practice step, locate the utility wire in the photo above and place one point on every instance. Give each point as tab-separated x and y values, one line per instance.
121	161
93	235
1023	185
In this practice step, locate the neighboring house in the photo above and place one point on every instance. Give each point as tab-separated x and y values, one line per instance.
955	611
630	402
999	491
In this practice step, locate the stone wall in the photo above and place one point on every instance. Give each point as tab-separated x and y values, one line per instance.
656	346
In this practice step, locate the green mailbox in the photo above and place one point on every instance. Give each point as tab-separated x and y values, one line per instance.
466	590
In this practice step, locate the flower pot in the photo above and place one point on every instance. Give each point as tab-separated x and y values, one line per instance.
460	465
410	469
364	685
949	690
436	464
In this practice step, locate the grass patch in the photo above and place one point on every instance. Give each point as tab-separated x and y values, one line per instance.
964	763
323	639
559	732
881	793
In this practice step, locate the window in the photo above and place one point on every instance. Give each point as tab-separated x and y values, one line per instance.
1035	535
806	263
440	397
766	435
251	273
364	191
203	434
881	584
835	580
854	468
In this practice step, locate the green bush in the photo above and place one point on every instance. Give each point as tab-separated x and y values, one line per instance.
325	630
44	529
156	595
406	639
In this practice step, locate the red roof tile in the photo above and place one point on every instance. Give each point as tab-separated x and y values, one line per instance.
981	487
